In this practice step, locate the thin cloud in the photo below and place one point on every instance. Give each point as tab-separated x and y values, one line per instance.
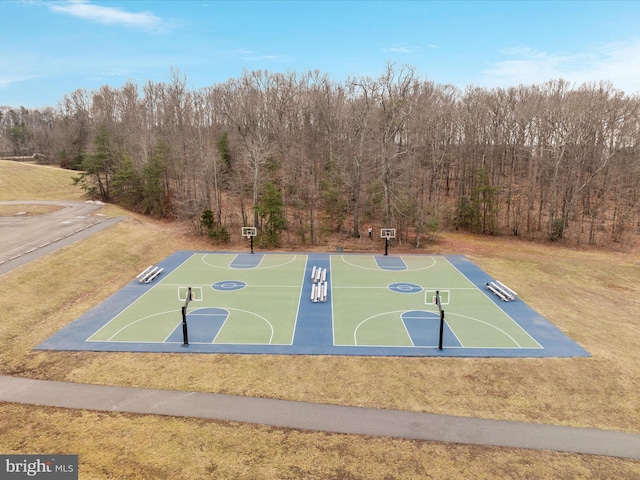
21	66
7	79
274	58
620	63
107	15
617	62
398	48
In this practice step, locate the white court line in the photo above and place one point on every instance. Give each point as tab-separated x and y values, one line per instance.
138	299
494	305
378	269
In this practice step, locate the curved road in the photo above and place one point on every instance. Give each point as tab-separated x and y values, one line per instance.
24	238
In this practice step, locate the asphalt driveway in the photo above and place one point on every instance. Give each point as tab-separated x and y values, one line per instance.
24	238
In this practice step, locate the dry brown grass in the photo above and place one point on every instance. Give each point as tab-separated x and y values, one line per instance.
567	286
25	181
133	446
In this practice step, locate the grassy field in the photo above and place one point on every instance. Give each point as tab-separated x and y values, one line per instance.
23	181
593	296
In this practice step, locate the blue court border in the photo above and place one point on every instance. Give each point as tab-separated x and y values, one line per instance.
314	334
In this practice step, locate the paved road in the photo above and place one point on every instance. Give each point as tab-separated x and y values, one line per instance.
24	238
318	417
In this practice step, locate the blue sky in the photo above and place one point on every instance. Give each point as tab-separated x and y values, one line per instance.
50	48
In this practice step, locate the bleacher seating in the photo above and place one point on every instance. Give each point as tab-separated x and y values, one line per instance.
149	274
319	287
503	292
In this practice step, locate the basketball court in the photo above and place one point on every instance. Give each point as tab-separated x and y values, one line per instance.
316	303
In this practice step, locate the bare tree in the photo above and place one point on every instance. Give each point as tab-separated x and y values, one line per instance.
550	160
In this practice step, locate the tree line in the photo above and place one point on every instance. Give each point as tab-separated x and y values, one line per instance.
301	155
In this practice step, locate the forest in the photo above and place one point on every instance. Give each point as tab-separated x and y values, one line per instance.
303	157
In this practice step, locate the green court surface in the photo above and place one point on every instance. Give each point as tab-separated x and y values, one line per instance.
315	303
368	312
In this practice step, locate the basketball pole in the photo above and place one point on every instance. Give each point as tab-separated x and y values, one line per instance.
441	319
185	333
249	233
386	244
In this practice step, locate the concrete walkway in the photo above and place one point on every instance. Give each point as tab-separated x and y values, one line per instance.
318	417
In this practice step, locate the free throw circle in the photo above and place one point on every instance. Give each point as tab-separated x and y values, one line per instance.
229	285
404	287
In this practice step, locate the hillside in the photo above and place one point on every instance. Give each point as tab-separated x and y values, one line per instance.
25	181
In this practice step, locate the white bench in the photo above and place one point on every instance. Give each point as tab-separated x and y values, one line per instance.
154	275
324	287
149	274
144	272
507	290
319	292
501	291
318	274
496	292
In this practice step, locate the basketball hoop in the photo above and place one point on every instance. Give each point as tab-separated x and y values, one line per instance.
249	233
388	234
